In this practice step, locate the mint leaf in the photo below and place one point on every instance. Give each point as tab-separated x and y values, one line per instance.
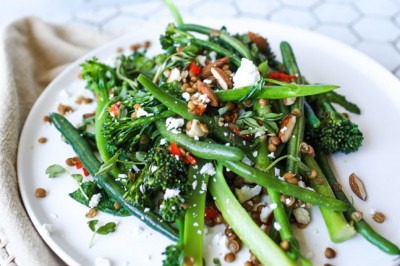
107	228
55	170
92	225
77	177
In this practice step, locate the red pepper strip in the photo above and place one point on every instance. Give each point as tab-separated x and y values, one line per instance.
210	214
237	132
281	76
79	165
114	109
187	158
85	172
194	68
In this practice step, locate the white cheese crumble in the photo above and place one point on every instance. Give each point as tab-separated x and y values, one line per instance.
175	74
277	226
174	124
102	262
141	112
153	168
201	59
265	212
301	184
246	75
94	200
186	96
207	169
194	184
135	168
202	97
207	81
255	153
220	241
213	56
247	161
123	176
146	210
171	193
277	171
245	193
271	155
163	141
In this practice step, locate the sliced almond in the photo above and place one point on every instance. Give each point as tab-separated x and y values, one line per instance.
357	186
258	40
286	128
223	79
289	101
204	89
206	71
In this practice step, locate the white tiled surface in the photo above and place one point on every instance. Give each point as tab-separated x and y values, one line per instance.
371	26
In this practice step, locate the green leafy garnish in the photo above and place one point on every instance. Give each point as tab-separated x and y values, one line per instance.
55	170
102	230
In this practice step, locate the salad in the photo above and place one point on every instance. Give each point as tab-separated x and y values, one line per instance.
205	132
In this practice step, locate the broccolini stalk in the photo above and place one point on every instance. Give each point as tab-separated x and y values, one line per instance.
194	217
361	226
263	247
339	229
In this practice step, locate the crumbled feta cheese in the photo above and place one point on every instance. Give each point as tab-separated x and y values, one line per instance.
277	226
245	193
195	224
123	176
194	184
213	56
153	168
174	124
186	96
271	155
63	95
277	171
246	75
265	212
94	201
163	141
196	137
302	216
227	144
255	153
273	206
203	187
175	74
201	59
207	81
220	241
208	169
203	98
102	262
225	134
48	228
146	210
141	112
171	193
247	161
135	168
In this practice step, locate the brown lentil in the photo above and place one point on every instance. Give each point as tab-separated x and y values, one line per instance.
185	86
296	112
91	213
262	102
285	245
40	192
330	253
190	90
230	257
188	261
337	187
232	237
247	206
313	174
42	140
328	264
117	205
271	147
293	181
225	67
378	217
319	181
64	109
228	231
357	216
274	140
238	181
307	149
70	162
234	246
301	226
47	119
248	263
219	219
88	115
134	47
146	44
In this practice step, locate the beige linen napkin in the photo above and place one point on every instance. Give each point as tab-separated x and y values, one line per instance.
31	54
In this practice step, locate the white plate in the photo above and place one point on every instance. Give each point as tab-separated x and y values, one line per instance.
321	59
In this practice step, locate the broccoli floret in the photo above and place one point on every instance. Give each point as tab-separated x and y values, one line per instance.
336	132
161	172
173	255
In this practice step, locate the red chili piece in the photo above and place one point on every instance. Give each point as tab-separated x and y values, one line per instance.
281	76
194	68
114	109
79	165
210	213
237	132
187	158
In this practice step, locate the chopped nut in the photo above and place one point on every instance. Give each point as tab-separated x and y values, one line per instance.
357	216
223	79
330	253
378	217
91	213
204	89
286	127
214	34
40	193
357	186
307	149
289	101
296	112
64	109
42	140
196	128
206	70
258	40
285	245
47	119
319	181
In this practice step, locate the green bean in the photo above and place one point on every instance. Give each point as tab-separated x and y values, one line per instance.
180	107
224	37
312	119
275	92
174	11
218	49
199	148
362	226
106	181
248	231
271	182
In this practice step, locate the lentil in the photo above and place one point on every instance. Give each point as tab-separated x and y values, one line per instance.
357	216
117	205
91	213
285	245
330	253
378	217
42	140
230	257
40	193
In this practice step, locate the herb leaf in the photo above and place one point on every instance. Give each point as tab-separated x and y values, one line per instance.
110	164
92	225
107	228
55	170
77	177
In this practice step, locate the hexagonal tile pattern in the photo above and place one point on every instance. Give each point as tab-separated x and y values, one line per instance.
294	17
214	9
339	33
300	3
257	8
97	15
383	53
141	9
336	12
376	29
377	7
122	25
